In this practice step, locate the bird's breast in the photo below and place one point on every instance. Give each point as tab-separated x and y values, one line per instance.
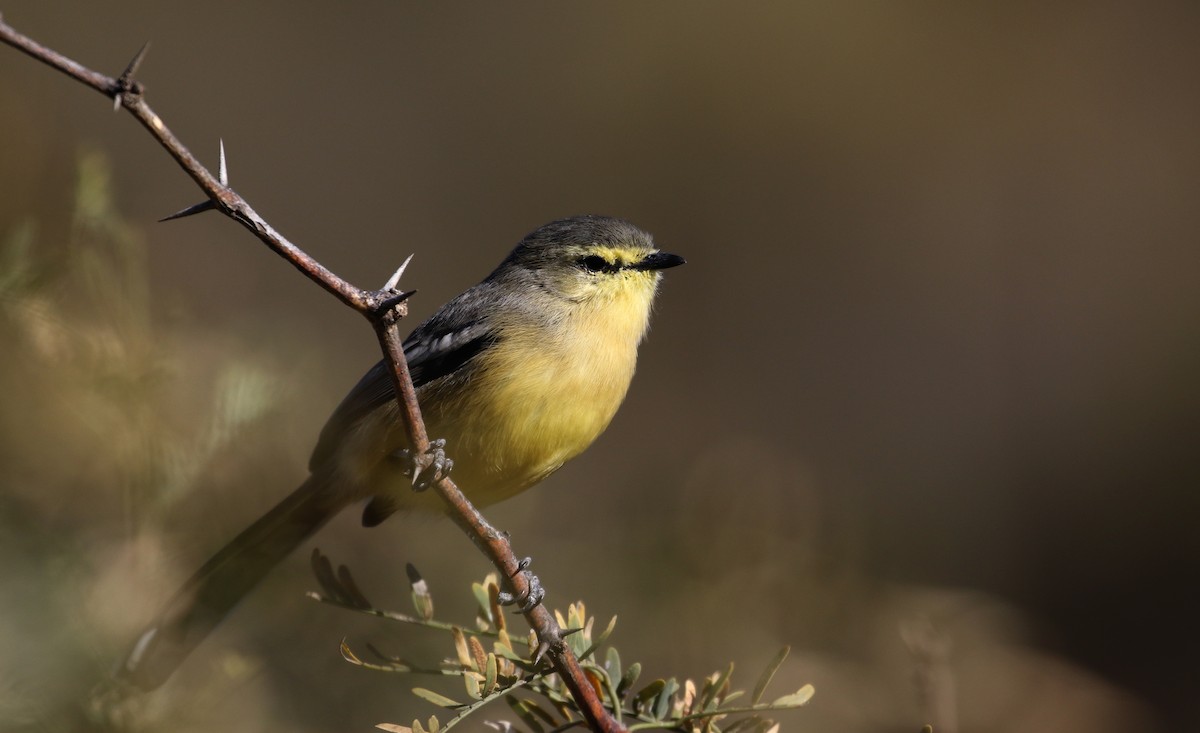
537	398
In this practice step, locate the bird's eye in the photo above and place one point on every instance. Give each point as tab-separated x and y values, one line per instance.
594	263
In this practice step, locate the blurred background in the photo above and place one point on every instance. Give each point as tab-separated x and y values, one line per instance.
923	404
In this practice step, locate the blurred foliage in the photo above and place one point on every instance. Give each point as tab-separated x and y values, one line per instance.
96	435
712	706
82	315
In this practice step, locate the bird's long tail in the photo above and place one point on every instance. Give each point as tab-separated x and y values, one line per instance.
196	609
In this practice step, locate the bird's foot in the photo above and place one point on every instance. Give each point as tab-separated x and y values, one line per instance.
428	468
533	595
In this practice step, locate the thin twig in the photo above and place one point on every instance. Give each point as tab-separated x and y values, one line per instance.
384	308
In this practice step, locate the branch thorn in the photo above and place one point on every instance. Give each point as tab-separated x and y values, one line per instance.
191	210
540	652
223	173
222	176
394	280
125	80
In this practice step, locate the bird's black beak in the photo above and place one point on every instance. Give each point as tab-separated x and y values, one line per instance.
659	261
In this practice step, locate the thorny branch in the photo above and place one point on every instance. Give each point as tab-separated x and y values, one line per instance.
383	308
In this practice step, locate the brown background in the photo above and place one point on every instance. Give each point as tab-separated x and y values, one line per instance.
932	361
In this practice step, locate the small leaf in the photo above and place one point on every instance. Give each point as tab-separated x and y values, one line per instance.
768	674
612	624
494	604
440	700
707	692
576	641
434	726
575	616
567	711
503	639
424	606
714	686
481	597
796	699
478	655
471	682
348	655
599	641
648	693
422	600
663	705
460	647
393	728
506	669
508	653
629	678
490	670
689	697
612	663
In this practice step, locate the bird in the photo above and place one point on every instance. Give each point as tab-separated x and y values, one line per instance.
517	375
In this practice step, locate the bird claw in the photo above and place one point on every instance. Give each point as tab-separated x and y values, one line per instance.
428	469
533	595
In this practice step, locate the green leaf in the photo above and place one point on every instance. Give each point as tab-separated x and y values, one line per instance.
471	682
440	700
481	597
768	674
796	699
422	601
612	623
612	663
577	638
509	654
393	728
575	616
648	693
662	705
711	696
629	678
489	676
731	697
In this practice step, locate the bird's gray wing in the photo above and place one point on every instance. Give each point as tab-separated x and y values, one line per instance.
438	347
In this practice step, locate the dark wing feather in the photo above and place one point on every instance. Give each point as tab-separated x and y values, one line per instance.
439	346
